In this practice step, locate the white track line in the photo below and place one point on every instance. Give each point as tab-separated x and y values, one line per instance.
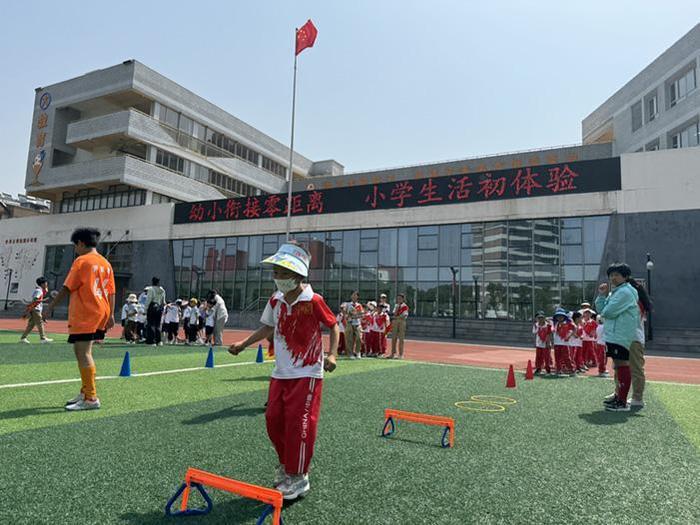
145	374
459	365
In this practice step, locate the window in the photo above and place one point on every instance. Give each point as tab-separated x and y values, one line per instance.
652	146
274	167
170	161
636	116
679	88
685	138
113	197
651	102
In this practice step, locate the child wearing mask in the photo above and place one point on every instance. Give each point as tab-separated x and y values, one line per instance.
294	315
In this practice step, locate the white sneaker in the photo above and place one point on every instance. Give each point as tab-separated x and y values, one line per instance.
160	344
25	341
636	403
294	487
77	398
280	476
84	404
47	340
603	374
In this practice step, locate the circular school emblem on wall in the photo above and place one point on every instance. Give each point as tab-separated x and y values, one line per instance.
45	101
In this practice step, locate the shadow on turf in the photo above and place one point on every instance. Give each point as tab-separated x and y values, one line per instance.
255	379
602	417
233	511
234	411
414	441
25	412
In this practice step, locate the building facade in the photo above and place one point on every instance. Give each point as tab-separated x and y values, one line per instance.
127	136
192	194
658	109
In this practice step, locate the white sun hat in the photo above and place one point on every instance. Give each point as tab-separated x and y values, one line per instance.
291	257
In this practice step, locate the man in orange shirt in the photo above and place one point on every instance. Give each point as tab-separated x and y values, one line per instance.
90	285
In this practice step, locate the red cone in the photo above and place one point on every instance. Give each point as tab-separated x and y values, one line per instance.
528	373
510	382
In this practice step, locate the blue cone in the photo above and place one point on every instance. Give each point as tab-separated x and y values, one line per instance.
210	359
126	366
260	358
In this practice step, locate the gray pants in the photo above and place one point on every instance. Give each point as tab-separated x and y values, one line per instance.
353	339
637	369
219	331
35	319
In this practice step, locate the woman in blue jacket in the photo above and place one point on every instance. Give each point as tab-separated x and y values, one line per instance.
617	304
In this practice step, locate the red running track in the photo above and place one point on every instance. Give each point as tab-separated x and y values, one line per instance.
674	369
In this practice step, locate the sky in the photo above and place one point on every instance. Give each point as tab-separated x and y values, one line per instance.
388	83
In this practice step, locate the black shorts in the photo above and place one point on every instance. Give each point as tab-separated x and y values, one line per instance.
616	351
208	330
99	335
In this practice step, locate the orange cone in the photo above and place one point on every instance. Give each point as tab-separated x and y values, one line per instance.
528	372
510	382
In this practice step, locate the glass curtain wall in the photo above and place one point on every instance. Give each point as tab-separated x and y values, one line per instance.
504	270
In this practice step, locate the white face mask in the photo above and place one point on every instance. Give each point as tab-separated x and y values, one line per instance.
286	285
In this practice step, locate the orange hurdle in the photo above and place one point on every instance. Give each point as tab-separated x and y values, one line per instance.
199	478
391	414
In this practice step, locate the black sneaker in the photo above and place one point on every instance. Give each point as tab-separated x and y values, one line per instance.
618	406
538	372
610	401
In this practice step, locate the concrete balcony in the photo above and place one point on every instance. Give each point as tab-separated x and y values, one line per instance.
109	130
123	170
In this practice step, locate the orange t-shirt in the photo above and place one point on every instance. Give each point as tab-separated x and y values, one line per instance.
90	281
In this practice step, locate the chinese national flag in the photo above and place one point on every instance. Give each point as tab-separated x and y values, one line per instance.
306	36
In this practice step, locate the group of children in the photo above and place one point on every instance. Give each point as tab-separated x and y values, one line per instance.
195	318
364	328
577	339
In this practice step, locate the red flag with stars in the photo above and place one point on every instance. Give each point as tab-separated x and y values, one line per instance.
306	36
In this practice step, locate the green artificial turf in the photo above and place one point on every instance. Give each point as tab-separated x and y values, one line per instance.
554	457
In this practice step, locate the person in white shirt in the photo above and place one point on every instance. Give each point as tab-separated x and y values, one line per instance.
171	322
210	323
220	316
34	312
131	329
192	319
140	322
125	308
155	302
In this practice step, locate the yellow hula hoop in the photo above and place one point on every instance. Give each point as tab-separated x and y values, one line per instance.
497	400
483	406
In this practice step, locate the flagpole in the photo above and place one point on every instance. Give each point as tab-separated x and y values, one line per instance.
290	173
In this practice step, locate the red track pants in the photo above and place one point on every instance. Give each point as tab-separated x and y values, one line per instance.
543	359
293	408
562	359
601	358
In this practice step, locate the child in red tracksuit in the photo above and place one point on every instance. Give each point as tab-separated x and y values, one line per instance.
589	337
293	315
340	319
365	324
576	344
562	332
600	354
542	331
380	320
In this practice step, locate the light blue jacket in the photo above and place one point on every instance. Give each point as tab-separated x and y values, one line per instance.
621	313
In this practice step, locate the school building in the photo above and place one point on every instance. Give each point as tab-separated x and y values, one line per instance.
184	190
